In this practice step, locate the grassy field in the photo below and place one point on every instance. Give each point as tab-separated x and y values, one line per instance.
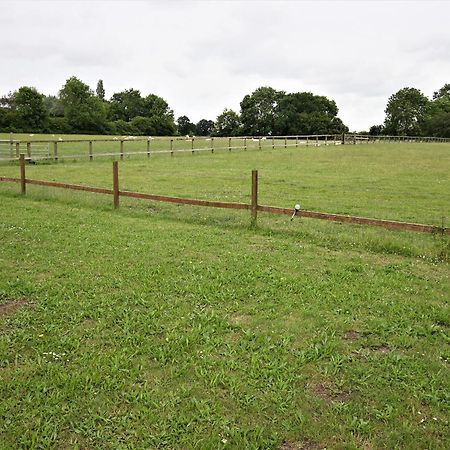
68	146
163	326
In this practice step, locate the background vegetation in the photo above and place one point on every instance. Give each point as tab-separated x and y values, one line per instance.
266	111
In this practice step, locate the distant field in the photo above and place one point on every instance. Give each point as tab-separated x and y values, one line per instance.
408	182
68	147
176	327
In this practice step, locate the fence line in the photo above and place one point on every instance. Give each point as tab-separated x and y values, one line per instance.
259	142
254	207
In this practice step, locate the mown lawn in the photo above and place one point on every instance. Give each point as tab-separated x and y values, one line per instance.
163	326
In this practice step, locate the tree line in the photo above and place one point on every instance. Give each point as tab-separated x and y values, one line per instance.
264	112
410	113
79	109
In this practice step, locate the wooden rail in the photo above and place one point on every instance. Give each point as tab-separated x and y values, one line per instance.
357	220
253	206
169	147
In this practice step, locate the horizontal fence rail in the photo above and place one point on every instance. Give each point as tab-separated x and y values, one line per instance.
254	207
120	147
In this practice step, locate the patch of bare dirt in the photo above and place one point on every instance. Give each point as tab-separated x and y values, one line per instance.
382	349
234	337
89	323
240	319
305	445
9	307
351	335
328	394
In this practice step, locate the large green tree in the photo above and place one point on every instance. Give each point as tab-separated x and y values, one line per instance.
204	127
444	91
54	106
100	90
129	105
85	113
228	123
405	112
306	113
185	126
8	113
259	111
437	119
157	109
31	114
126	105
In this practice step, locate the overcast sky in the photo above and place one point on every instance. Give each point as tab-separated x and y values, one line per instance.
204	56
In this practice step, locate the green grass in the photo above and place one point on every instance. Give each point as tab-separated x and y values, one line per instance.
164	326
68	147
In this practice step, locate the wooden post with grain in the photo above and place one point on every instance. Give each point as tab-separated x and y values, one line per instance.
254	208
116	184
23	181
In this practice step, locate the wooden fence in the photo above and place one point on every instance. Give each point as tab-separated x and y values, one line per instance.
45	149
254	207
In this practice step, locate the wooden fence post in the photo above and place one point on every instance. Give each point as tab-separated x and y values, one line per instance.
121	149
116	184
285	142
212	145
192	145
55	151
259	143
273	143
171	147
17	150
254	196
296	141
91	156
29	149
229	144
245	143
23	184
148	147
